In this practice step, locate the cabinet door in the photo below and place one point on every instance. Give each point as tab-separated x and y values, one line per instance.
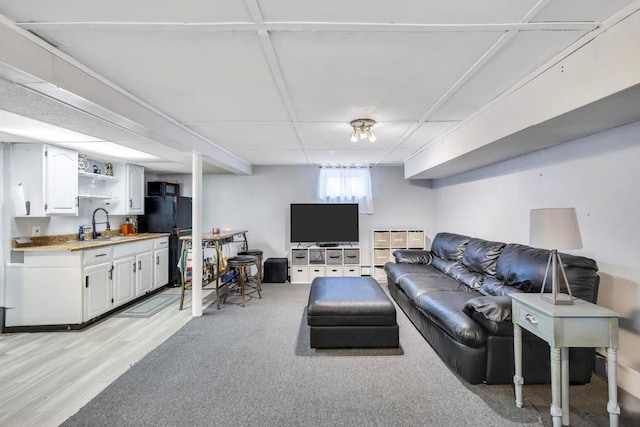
61	181
135	189
144	273
161	268
97	290
124	280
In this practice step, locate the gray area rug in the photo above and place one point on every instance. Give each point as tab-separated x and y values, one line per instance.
149	306
237	367
303	346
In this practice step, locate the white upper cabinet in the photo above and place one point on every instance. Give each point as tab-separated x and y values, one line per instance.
44	180
135	189
128	190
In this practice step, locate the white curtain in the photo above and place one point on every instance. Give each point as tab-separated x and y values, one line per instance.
346	185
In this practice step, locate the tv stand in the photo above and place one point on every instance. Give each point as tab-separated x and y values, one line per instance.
315	261
326	245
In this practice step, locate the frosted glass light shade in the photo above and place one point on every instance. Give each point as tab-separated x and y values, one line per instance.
555	228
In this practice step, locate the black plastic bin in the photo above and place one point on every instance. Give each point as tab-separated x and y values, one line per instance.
275	270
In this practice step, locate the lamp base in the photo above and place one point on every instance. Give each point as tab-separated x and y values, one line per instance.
560	299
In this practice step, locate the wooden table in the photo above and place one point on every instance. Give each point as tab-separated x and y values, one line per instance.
216	241
580	324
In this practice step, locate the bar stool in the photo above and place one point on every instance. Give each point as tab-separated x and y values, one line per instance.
240	264
258	254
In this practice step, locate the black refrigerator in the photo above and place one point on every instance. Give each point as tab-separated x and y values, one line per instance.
168	214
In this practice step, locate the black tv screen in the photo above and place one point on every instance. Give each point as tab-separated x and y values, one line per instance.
324	222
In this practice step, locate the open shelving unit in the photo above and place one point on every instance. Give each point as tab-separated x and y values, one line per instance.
385	241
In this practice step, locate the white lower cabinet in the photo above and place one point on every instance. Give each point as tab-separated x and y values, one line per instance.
161	268
144	273
69	288
97	290
124	280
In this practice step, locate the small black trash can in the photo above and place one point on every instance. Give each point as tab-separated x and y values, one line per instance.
275	270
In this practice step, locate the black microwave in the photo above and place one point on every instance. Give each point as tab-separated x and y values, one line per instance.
161	188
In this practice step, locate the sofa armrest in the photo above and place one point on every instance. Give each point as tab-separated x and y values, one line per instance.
412	256
492	312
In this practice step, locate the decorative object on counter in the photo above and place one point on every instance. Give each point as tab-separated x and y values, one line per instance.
83	162
127	228
81	233
108	169
96	169
216	230
555	228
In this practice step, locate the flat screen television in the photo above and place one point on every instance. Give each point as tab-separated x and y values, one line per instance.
324	222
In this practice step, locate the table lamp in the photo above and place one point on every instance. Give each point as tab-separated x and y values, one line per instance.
554	229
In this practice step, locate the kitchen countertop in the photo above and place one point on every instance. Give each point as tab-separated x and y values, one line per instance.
76	245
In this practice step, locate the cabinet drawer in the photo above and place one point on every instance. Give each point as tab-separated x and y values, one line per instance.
299	257
534	321
161	243
299	274
398	239
316	272
381	256
381	238
415	239
352	256
97	256
334	271
132	248
351	271
334	256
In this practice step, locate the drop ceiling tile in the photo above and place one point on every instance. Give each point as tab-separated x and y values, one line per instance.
393	76
278	157
426	133
367	157
407	11
125	11
337	135
192	76
522	55
579	10
244	139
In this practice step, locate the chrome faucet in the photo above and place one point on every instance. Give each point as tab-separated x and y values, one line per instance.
94	233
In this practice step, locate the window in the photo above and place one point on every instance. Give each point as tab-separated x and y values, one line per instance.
346	184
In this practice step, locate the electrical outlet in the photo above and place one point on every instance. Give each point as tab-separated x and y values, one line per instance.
35	231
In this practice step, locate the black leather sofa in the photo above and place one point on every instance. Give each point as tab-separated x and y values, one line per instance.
457	296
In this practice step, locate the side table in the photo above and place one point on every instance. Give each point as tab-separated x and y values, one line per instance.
581	324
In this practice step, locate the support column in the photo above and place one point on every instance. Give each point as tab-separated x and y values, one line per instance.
196	226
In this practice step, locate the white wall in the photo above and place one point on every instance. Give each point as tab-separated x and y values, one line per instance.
260	203
599	175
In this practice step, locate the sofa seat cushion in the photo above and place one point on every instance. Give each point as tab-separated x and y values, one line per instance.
396	271
414	285
445	308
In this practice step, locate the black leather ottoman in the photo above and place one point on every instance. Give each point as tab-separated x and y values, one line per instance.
350	312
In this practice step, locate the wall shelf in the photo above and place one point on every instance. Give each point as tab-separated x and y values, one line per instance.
95	175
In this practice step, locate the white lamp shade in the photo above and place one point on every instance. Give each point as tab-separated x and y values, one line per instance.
555	228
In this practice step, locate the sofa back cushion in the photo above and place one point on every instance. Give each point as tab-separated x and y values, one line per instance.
494	287
481	256
449	246
523	267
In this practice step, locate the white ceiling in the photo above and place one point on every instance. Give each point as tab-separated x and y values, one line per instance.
278	81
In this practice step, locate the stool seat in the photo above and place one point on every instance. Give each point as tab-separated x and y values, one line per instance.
254	252
241	260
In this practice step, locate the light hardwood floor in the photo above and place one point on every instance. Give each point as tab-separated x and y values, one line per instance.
47	377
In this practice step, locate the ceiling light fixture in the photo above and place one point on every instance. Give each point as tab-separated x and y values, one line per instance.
362	129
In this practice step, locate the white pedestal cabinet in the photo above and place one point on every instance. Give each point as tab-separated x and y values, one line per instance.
312	262
386	241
